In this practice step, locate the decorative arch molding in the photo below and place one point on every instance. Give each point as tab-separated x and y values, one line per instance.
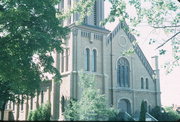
147	104
84	51
125	105
125	98
94	48
116	65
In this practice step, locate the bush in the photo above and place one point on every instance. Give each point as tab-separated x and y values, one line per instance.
142	116
71	111
43	113
165	114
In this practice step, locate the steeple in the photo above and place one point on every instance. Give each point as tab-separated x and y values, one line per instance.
95	18
97	13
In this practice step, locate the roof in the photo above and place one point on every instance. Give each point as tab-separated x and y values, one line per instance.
136	47
93	27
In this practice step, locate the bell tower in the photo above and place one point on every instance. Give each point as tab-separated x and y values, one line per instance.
97	14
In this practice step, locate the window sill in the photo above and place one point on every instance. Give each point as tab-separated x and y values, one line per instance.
122	89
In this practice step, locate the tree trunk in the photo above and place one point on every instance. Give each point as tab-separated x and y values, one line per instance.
2	111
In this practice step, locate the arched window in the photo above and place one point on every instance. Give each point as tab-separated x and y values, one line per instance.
94	60
147	83
67	59
31	103
13	106
87	59
62	61
123	72
145	105
22	103
95	13
124	106
63	103
142	83
149	108
10	104
42	97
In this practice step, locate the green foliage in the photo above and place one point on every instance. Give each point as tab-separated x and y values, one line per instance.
92	105
143	111
71	111
165	114
159	14
43	113
29	34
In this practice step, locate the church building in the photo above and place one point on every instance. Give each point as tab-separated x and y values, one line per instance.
126	80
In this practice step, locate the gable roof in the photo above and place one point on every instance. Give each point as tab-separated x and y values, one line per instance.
136	47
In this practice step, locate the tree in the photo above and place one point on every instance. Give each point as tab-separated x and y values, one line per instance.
92	105
165	114
143	111
29	34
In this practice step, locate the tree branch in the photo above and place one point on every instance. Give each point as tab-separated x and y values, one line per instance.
169	26
168	40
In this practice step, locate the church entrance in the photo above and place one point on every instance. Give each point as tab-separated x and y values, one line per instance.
124	106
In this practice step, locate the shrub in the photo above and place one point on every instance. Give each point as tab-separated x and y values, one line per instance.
71	111
142	116
43	113
165	114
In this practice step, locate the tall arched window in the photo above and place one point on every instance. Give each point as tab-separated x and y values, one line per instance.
31	103
87	59
42	97
147	83
123	72
67	59
95	13
149	108
63	104
13	106
94	60
142	83
124	106
22	103
62	61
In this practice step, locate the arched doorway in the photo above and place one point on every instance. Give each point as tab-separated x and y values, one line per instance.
124	105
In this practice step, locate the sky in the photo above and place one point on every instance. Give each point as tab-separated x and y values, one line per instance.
169	83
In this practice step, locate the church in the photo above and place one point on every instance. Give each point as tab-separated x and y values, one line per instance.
126	80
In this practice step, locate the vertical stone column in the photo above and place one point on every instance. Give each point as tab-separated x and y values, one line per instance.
76	41
55	92
52	100
157	81
37	100
103	63
48	93
26	108
132	77
16	111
